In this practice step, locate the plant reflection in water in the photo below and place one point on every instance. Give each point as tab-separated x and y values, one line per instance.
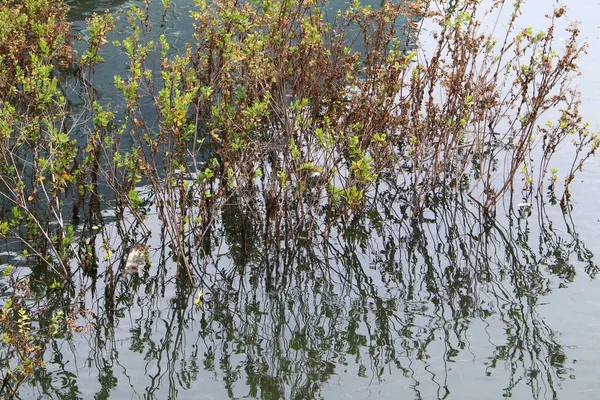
383	296
306	282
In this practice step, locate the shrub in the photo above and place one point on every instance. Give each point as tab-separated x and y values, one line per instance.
296	113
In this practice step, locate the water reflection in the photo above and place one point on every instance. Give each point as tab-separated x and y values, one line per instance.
380	297
383	298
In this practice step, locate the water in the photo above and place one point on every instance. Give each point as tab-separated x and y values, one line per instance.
458	306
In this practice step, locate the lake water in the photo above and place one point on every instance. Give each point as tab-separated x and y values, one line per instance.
459	306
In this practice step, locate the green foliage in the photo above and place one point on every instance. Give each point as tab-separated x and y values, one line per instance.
98	28
277	106
135	199
31	31
39	159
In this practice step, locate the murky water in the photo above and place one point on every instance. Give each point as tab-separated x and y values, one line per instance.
457	306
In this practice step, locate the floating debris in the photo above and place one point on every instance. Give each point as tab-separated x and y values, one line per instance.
136	258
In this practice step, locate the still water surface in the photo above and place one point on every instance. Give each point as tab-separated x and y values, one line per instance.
455	307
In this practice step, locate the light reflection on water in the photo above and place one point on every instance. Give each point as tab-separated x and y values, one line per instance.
574	312
442	309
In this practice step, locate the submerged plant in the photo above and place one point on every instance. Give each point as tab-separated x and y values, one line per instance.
38	156
276	127
298	114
